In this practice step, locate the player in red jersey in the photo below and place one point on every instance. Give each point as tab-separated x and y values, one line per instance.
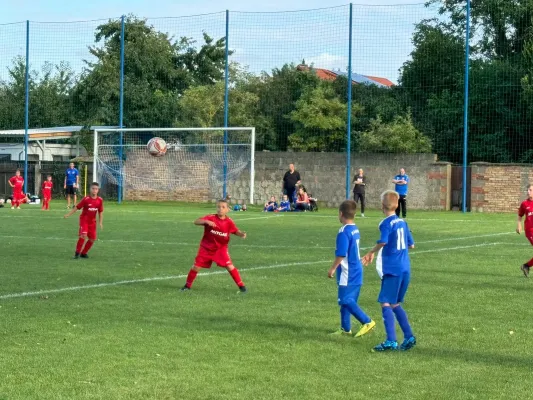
90	206
17	183
526	209
214	245
47	192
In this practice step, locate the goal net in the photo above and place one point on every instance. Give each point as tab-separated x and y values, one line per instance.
200	164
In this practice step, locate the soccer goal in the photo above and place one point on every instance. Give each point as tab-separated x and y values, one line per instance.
200	164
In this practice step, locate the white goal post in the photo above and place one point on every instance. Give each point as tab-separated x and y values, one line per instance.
196	159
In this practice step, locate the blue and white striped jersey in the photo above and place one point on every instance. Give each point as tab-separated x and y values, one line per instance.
350	270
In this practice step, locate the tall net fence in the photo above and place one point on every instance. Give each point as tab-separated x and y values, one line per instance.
288	76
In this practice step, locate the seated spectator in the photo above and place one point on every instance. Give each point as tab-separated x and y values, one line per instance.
302	201
271	205
284	205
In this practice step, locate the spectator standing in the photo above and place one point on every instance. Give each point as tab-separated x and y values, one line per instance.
290	180
72	182
359	181
401	182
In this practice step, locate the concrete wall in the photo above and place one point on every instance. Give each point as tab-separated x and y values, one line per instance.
499	187
323	174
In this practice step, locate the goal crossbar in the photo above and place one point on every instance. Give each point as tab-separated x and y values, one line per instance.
103	131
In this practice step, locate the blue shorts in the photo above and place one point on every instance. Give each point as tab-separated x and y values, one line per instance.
347	294
393	288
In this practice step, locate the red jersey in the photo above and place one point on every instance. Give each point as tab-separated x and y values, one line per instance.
526	208
47	188
90	207
217	237
17	182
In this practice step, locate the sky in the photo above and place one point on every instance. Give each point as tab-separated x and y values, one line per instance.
263	35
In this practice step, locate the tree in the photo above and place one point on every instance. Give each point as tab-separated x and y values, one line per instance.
320	120
157	71
400	136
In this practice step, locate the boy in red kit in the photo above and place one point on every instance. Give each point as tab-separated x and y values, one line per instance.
526	209
214	245
17	183
47	192
90	206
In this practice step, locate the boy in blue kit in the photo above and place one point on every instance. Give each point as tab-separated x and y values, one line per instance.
285	204
394	267
349	270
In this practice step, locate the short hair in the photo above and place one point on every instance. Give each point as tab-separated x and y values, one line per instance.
48	176
17	170
389	199
529	185
348	209
95	184
222	201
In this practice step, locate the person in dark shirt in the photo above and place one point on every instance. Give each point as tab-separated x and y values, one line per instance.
290	180
359	190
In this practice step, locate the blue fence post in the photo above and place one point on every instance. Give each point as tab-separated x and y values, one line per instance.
121	109
226	110
349	116
465	114
26	106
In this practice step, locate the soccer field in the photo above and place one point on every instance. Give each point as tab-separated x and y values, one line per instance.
115	326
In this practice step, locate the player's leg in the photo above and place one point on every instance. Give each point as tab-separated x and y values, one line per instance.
203	260
350	302
388	296
409	339
525	267
346	316
91	236
82	237
236	276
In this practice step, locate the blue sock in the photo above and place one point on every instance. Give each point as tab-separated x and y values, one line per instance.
358	313
401	317
346	323
388	321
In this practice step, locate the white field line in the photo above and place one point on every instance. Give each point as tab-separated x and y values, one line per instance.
153	243
162	278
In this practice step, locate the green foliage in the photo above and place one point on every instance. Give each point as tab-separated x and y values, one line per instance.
399	136
320	121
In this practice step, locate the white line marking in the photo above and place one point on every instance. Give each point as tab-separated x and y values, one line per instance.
153	243
162	278
152	279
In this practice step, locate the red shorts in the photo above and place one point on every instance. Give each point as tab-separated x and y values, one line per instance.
205	258
18	196
88	228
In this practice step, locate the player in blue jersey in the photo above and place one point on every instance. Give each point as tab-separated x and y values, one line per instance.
401	185
72	182
284	205
394	268
349	271
272	205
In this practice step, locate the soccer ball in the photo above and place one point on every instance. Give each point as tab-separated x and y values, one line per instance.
157	147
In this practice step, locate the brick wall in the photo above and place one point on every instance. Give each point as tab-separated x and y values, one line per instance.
499	187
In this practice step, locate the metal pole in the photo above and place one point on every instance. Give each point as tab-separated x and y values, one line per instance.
26	106
465	114
349	116
252	166
121	110
226	110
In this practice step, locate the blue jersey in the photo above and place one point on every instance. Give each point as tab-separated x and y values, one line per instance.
285	205
72	174
350	270
397	238
401	189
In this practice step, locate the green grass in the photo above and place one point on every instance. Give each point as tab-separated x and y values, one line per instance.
146	340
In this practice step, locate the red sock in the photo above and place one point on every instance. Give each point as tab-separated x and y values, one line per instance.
530	263
87	247
236	277
191	277
79	245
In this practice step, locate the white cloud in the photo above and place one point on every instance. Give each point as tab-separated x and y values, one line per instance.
328	61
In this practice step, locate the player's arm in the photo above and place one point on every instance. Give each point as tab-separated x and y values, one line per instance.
10	184
240	233
204	222
73	211
78	179
101	218
519	224
341	250
383	239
